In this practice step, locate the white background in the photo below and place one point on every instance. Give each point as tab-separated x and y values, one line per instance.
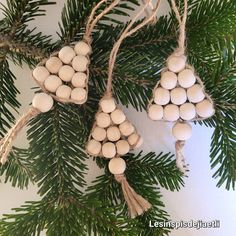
199	200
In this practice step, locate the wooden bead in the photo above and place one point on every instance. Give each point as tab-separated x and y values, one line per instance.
66	73
195	93
176	63
187	111
40	73
109	150
82	48
133	139
118	116
103	120
155	112
79	80
140	142
63	92
171	112
168	80
182	131
99	134
126	128
66	54
205	109
80	63
122	147
186	78
53	65
52	83
113	134
108	105
178	96
161	96
43	102
79	94
117	166
94	147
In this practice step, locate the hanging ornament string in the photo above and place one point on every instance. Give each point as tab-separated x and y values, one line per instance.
126	33
182	26
152	9
137	205
93	22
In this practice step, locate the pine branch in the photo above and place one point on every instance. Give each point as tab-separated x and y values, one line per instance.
18	169
8	92
75	13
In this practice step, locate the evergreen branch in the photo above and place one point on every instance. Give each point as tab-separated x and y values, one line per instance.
75	14
18	169
8	92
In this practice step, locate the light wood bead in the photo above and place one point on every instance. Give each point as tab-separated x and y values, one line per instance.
43	102
168	80
113	134
205	109
133	139
79	80
80	63
94	147
53	64
161	96
117	166
66	73
103	120
176	63
66	54
186	78
79	94
171	113
108	105
63	92
178	96
122	147
82	48
52	83
155	112
118	116
126	128
187	111
182	131
109	150
40	73
99	134
195	93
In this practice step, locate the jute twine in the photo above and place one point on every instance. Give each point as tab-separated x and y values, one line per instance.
180	51
7	141
137	205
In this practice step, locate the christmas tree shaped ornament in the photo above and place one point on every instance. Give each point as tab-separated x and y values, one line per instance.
65	74
112	135
62	77
180	96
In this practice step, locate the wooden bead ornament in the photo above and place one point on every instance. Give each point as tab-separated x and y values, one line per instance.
94	147
99	134
41	103
121	135
180	95
71	64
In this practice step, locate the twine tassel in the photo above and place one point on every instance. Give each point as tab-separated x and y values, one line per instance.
137	205
180	160
7	142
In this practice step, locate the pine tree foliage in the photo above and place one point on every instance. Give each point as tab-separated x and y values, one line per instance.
55	159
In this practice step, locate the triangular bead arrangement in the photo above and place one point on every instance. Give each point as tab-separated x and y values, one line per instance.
112	134
65	74
180	94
